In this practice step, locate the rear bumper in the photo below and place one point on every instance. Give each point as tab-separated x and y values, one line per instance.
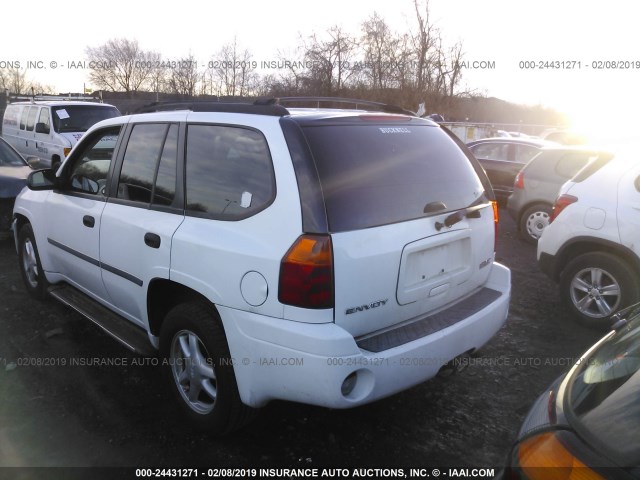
309	363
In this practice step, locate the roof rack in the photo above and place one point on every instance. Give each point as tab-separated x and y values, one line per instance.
216	106
54	98
378	106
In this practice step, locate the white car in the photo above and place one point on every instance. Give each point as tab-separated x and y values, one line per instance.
330	257
592	246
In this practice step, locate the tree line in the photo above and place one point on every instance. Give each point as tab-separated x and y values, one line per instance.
377	63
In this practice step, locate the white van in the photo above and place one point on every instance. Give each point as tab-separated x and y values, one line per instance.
49	129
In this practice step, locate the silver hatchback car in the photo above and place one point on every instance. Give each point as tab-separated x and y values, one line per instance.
536	186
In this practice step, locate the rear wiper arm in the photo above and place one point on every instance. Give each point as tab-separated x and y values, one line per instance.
455	217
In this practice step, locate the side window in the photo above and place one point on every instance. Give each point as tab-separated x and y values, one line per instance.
229	172
23	117
31	119
44	123
492	151
524	153
569	164
165	190
90	167
140	163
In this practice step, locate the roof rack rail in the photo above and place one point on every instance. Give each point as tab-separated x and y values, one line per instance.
216	106
378	106
54	98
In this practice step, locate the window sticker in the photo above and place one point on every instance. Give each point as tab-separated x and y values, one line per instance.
62	114
245	201
394	130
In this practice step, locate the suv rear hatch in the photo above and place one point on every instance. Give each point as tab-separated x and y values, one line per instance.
411	223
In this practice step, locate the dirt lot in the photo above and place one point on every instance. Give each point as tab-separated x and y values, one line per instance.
96	415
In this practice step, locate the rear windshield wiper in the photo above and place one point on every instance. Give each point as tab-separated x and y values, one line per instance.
472	211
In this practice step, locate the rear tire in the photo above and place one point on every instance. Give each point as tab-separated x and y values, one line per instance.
29	263
533	221
597	285
199	368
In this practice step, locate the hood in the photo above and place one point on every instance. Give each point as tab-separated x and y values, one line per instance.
72	137
12	180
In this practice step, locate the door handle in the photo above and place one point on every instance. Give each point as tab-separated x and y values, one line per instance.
88	221
152	240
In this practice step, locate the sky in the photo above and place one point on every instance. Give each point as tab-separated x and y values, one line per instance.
598	39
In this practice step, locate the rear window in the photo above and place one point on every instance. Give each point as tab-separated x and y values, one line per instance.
374	175
592	167
604	396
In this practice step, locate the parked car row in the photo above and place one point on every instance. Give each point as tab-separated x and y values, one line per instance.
582	207
373	259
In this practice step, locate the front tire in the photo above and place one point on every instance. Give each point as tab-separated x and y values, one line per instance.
200	369
533	221
597	285
29	263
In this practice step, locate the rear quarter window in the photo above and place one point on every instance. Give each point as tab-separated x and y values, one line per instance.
229	172
374	175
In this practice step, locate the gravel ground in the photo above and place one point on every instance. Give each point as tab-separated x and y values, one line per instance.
98	415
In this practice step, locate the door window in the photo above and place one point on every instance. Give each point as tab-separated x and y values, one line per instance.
492	151
149	165
90	167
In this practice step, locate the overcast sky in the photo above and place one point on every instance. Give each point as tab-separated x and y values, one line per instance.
505	32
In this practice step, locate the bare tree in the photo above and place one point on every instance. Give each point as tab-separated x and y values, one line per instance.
120	64
15	80
233	71
380	47
17	83
184	76
328	62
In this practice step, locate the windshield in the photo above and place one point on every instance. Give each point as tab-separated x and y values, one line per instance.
375	175
9	157
604	396
79	118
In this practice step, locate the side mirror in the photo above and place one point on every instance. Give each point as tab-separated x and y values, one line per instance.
42	180
34	162
42	128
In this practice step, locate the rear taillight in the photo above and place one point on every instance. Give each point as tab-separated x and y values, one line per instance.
562	202
519	182
306	273
545	457
496	217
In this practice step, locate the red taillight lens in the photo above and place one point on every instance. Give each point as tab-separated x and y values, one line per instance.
519	182
562	202
306	273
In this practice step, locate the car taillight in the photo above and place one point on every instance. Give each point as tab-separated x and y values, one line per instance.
519	181
306	273
545	457
496	217
562	202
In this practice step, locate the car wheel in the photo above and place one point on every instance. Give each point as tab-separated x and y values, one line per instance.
200	369
533	221
29	262
596	285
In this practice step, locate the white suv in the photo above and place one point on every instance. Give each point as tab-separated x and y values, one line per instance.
330	257
592	246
